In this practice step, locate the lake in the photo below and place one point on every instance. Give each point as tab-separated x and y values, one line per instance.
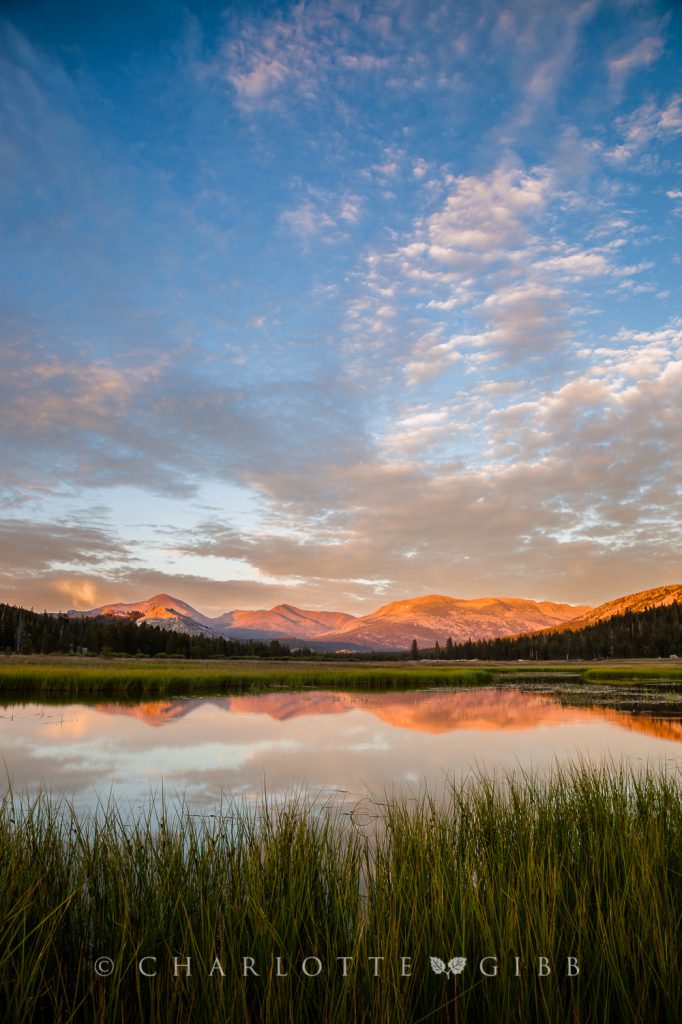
349	745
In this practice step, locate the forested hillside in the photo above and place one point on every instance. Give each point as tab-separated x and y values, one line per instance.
652	633
28	632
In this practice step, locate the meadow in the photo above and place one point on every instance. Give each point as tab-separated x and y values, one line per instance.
75	676
585	863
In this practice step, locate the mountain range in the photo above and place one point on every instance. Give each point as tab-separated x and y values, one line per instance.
433	712
394	626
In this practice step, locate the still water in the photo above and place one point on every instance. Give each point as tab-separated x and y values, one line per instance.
344	745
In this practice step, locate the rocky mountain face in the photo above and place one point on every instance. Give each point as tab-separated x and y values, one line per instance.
161	610
283	621
639	602
394	626
435	617
391	627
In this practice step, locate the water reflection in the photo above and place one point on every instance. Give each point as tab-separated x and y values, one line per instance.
327	741
431	711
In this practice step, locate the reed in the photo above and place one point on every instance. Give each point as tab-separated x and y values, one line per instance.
129	677
584	863
134	679
636	673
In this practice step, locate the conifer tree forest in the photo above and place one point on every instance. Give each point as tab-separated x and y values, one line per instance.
29	632
653	633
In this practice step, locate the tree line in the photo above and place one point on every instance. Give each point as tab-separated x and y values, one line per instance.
653	633
29	632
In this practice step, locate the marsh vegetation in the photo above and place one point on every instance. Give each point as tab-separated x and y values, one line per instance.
93	676
586	863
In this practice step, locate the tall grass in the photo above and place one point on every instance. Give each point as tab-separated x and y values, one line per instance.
134	679
587	863
128	677
635	673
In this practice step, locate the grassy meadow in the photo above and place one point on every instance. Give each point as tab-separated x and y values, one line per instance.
586	863
131	677
45	675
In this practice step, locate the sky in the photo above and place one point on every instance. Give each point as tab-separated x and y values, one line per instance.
336	303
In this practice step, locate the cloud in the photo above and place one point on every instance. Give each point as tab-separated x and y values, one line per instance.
594	458
307	220
557	35
296	52
33	546
351	208
84	424
262	78
265	55
492	274
645	53
576	265
324	215
444	401
647	123
571	483
417	431
484	216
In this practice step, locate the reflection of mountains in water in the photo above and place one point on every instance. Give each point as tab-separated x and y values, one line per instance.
434	712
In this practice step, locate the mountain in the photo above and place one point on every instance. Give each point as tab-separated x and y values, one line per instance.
284	620
392	627
161	610
435	617
654	598
427	619
646	625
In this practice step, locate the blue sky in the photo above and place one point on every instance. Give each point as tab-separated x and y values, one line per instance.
337	303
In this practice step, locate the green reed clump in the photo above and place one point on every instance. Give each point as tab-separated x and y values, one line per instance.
635	673
153	680
586	863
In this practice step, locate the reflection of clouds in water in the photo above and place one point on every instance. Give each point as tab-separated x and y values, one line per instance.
324	741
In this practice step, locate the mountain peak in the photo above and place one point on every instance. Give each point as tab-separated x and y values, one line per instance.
426	619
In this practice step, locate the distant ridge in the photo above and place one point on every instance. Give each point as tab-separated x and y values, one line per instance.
426	619
435	617
638	602
283	621
392	627
161	610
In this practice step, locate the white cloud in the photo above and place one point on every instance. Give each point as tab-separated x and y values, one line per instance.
351	208
504	287
640	56
419	169
576	265
643	125
262	78
482	216
671	117
307	220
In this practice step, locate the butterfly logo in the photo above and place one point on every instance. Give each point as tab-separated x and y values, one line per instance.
454	966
